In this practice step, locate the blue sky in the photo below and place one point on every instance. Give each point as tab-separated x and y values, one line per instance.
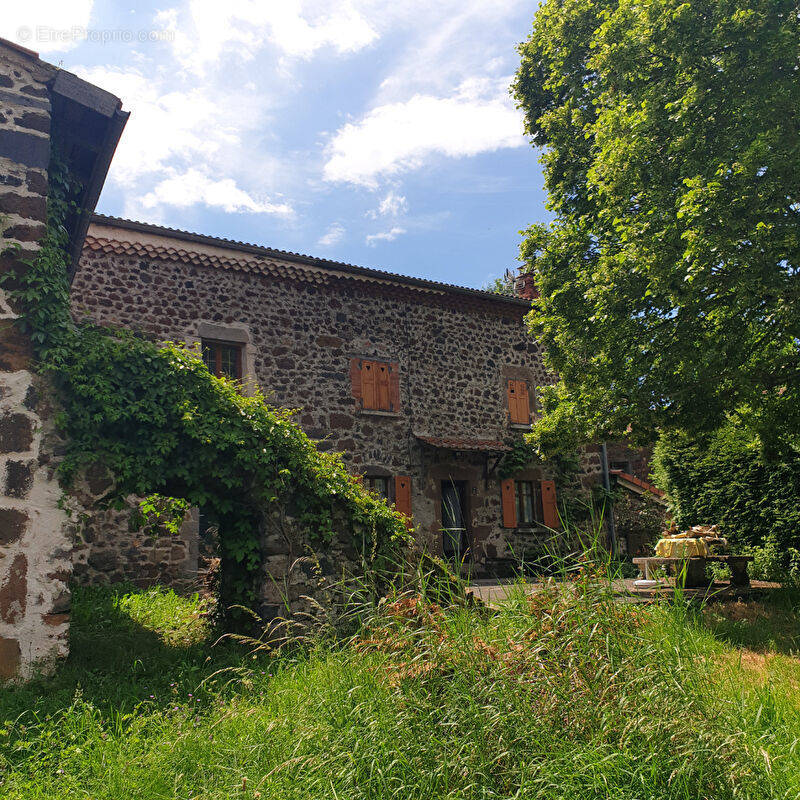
373	132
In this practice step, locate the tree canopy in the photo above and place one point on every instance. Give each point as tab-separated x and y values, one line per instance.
670	276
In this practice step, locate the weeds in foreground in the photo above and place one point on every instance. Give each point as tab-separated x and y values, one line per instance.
564	693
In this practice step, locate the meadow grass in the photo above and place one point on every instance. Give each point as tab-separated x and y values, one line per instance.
564	694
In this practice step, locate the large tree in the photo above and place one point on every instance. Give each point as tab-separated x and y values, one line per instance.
670	276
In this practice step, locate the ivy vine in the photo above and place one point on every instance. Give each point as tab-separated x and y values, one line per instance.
163	424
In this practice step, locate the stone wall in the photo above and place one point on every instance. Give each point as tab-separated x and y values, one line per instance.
113	546
35	534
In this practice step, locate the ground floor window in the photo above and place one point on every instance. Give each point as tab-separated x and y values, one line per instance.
378	484
529	503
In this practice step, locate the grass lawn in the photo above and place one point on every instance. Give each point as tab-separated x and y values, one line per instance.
565	695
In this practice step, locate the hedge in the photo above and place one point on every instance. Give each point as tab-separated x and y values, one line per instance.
726	479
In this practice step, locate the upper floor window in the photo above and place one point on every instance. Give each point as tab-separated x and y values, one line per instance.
223	359
519	409
376	384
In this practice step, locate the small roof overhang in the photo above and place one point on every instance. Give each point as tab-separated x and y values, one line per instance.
464	445
87	122
638	486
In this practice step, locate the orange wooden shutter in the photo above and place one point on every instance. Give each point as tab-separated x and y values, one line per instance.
518	402
355	377
523	402
549	506
394	386
382	389
368	384
508	496
402	497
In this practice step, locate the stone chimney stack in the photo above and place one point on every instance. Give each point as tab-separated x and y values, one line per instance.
525	286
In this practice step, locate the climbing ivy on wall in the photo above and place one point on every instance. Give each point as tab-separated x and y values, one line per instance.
162	424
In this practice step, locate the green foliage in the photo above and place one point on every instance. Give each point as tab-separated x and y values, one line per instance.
503	285
670	277
520	456
162	424
773	562
724	478
565	693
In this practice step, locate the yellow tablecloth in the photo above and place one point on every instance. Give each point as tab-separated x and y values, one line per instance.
681	548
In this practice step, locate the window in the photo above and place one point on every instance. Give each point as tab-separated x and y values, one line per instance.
519	410
526	503
223	359
376	384
529	503
378	484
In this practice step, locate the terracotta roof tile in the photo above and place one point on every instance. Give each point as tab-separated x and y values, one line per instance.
486	445
649	487
257	258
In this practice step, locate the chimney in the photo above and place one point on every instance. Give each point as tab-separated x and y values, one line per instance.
525	286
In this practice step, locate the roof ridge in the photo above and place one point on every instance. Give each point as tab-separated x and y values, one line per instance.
287	255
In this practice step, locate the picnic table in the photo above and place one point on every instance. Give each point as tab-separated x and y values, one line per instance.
696	568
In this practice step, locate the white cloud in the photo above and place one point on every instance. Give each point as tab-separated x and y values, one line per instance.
46	26
163	126
193	146
332	236
193	187
391	206
212	28
398	137
385	236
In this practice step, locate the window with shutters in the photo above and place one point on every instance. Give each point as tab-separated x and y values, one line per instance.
519	410
223	359
526	503
376	384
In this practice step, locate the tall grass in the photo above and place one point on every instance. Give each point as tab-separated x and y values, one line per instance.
566	693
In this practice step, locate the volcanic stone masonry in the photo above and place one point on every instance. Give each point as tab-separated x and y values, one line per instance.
35	535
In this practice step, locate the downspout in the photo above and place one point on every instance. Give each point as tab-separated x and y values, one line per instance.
612	531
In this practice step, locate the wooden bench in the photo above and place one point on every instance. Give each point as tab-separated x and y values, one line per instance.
696	568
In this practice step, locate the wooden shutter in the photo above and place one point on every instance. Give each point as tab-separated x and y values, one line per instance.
402	497
369	388
518	402
394	386
382	386
355	377
523	403
508	497
549	506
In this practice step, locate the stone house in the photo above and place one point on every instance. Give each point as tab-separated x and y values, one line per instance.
422	386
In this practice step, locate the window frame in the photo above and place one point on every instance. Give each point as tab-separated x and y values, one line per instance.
370	481
215	346
536	507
